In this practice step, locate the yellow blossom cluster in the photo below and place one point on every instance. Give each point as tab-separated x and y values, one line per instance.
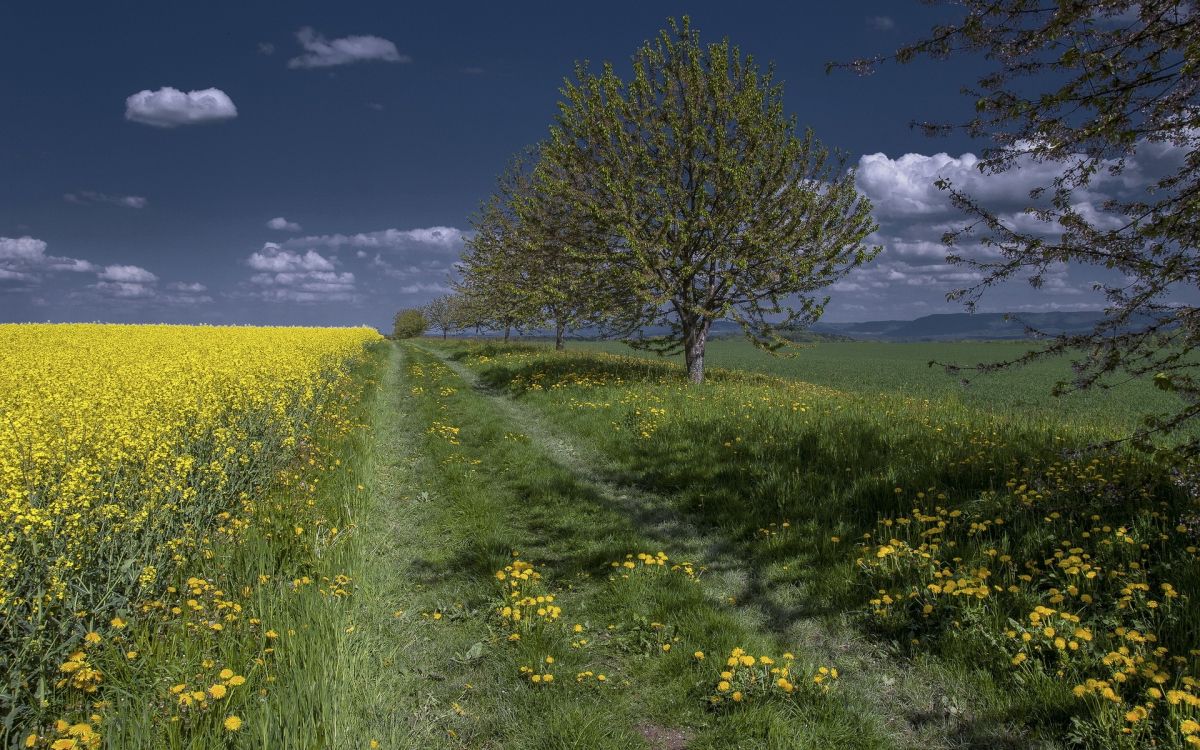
527	605
745	677
656	561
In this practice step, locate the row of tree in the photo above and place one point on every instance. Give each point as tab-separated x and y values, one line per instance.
684	195
666	202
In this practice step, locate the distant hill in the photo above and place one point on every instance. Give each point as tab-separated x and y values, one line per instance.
960	326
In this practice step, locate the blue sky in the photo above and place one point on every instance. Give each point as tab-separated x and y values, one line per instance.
145	148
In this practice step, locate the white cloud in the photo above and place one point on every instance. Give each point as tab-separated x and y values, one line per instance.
24	259
125	289
275	259
286	276
168	107
320	52
283	225
85	197
266	48
127	274
193	288
443	239
22	249
126	282
881	23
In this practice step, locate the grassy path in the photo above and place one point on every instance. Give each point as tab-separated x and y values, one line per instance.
466	482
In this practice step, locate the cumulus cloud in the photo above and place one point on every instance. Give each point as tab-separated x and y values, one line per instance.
86	197
283	225
24	259
913	214
126	282
275	259
320	52
169	107
287	276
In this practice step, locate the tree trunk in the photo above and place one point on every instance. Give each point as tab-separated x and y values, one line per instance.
507	328
694	338
443	334
559	329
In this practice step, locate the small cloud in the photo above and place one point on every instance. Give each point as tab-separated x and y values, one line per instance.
169	107
127	274
266	48
275	259
87	197
126	282
283	225
323	53
375	106
194	288
881	23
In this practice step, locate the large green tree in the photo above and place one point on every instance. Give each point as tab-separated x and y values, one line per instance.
713	203
1090	87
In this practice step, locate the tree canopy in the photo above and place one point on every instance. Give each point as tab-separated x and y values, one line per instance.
711	202
409	324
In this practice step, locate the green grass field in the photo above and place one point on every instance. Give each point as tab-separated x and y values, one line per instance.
903	368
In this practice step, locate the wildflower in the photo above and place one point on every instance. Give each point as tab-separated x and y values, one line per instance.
232	723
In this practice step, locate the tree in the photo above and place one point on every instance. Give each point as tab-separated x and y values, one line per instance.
409	324
713	203
444	314
526	257
494	270
1088	87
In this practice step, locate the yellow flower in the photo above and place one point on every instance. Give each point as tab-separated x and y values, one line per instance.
699	655
217	691
232	723
92	637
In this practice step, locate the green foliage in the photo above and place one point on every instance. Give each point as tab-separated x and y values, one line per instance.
409	324
713	205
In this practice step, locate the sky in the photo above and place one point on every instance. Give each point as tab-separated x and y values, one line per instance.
319	163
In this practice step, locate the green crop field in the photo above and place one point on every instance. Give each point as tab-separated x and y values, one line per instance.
903	368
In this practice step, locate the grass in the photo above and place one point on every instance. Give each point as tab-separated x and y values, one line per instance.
486	490
271	604
903	368
996	553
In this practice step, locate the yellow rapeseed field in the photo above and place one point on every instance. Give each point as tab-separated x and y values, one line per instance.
121	447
